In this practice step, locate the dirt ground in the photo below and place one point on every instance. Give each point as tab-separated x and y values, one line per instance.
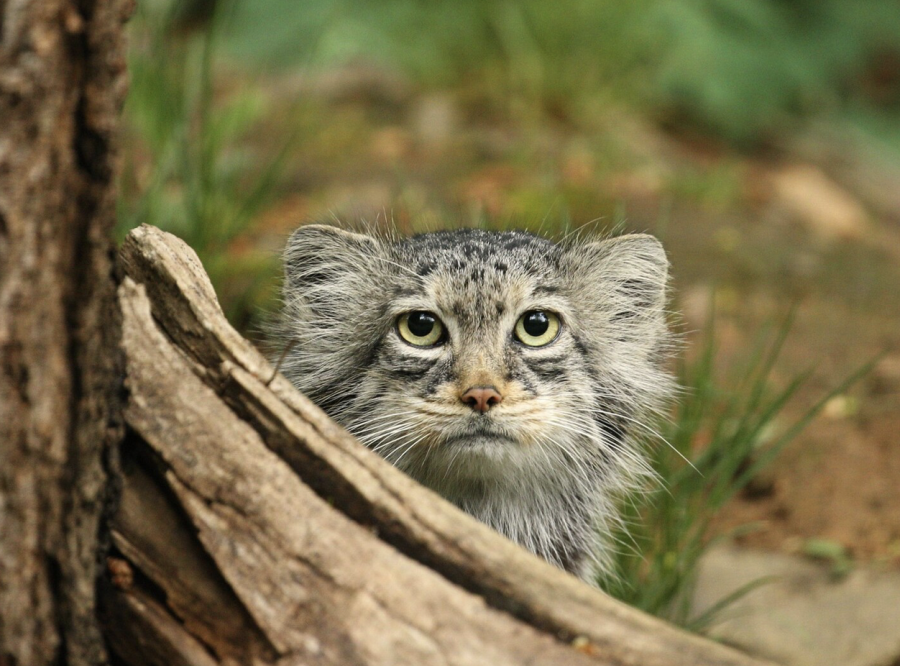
840	479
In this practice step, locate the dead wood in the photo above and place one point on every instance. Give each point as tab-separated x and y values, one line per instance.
261	532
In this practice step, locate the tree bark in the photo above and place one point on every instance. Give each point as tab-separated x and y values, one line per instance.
62	79
253	529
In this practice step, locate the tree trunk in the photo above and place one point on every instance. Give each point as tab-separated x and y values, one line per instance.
62	73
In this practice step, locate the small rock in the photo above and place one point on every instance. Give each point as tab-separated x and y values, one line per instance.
804	617
841	407
435	120
578	165
819	203
370	201
696	305
390	144
352	82
645	182
885	376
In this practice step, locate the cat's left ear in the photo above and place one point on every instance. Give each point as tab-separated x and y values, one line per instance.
319	255
628	274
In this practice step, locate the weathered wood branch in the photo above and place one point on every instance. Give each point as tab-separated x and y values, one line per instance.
255	530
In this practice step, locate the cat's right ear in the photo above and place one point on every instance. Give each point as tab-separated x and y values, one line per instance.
319	255
624	278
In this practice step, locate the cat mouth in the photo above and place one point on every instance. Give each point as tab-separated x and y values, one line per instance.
478	436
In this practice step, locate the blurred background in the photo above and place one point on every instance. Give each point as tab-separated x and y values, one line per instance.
759	139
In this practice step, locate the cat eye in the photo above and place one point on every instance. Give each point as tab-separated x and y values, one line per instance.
420	329
537	328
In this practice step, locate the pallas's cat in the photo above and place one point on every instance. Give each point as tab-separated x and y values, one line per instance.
508	373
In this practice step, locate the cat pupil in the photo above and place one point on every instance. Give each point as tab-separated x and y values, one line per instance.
536	323
420	324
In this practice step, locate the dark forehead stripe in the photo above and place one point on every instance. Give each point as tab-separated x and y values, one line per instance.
479	258
473	272
478	244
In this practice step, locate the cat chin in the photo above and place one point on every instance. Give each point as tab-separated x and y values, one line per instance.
483	457
483	444
475	458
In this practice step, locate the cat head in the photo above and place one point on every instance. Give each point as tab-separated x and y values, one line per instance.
483	363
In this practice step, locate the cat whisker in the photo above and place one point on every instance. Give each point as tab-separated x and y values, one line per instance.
396	461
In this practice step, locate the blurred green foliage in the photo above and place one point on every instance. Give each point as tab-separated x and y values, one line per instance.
520	50
747	69
188	168
744	69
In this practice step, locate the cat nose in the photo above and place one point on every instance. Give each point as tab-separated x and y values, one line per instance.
481	398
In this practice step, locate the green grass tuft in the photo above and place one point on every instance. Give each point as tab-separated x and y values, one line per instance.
718	441
189	168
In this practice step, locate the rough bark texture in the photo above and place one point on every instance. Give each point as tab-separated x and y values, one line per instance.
252	529
62	82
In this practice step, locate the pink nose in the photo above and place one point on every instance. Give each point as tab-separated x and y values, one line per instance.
481	398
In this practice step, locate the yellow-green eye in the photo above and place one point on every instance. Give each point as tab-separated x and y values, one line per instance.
537	328
421	329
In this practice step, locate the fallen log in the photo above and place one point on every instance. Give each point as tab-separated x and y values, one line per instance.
252	529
